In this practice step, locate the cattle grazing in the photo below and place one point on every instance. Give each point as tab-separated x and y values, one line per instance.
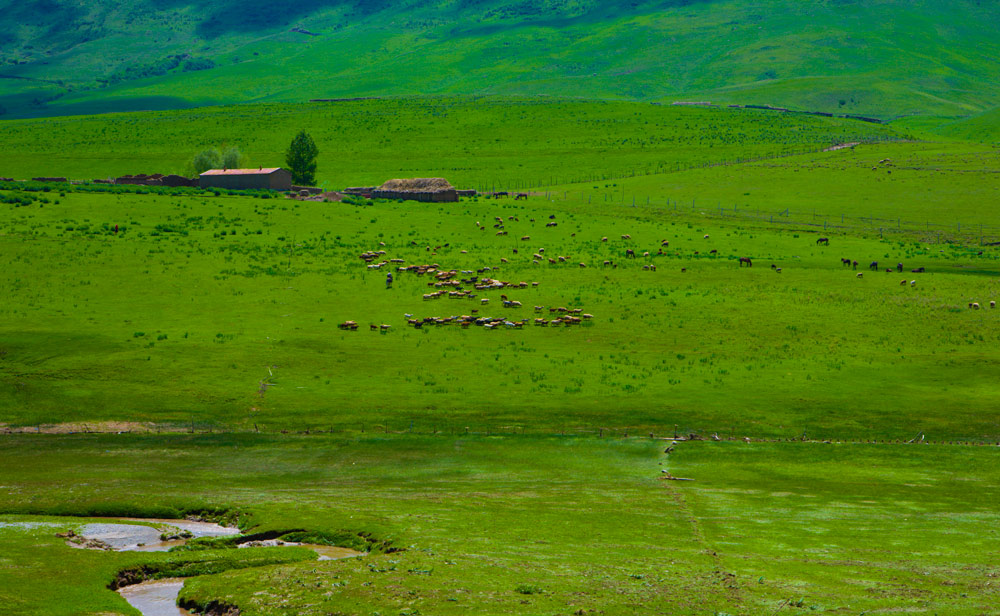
485	300
502	260
706	236
902	282
626	237
604	239
525	238
919	270
993	304
665	243
684	269
873	266
373	327
860	275
629	253
348	325
606	263
823	240
551	224
746	261
773	266
777	269
711	252
583	265
974	305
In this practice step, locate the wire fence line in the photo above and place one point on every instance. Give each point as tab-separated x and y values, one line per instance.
981	234
446	429
515	184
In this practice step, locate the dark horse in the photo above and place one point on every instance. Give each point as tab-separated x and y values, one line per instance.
823	240
747	261
874	266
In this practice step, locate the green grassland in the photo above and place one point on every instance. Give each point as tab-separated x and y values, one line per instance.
513	471
181	316
885	58
520	525
477	142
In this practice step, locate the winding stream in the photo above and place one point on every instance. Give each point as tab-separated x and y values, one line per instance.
159	597
155	598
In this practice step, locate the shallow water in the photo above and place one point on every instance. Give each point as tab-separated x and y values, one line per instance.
155	598
325	552
135	537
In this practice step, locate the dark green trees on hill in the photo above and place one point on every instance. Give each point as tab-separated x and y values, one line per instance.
301	159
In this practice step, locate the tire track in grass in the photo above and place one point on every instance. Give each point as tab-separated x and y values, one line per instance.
733	595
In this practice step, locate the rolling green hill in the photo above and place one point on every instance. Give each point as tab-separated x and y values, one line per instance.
881	58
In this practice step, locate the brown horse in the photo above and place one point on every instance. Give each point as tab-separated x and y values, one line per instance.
747	261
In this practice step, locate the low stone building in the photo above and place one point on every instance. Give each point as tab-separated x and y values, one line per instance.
263	178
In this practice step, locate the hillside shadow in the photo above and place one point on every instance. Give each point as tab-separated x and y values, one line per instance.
239	16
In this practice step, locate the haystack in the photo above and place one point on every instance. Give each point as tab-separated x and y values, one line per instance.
434	190
417	185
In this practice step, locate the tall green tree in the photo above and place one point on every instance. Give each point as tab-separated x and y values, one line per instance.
207	159
301	159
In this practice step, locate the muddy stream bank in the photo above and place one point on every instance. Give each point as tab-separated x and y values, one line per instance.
159	597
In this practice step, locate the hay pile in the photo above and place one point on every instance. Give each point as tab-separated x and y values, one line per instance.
422	185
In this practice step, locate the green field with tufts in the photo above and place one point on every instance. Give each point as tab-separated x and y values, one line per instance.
176	352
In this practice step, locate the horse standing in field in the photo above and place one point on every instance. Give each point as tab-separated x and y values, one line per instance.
747	261
845	262
873	266
899	267
823	240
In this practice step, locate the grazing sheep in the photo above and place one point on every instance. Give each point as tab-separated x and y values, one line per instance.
626	237
974	305
902	282
860	275
607	263
583	265
777	269
913	283
485	300
525	238
604	239
993	304
706	236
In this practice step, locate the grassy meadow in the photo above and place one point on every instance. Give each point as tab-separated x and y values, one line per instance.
520	525
222	312
476	142
513	470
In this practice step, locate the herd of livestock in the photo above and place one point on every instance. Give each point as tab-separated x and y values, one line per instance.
468	284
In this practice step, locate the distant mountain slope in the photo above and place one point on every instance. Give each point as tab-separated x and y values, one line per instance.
880	57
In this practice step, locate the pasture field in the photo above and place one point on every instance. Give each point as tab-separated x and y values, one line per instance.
221	312
476	142
523	525
512	470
